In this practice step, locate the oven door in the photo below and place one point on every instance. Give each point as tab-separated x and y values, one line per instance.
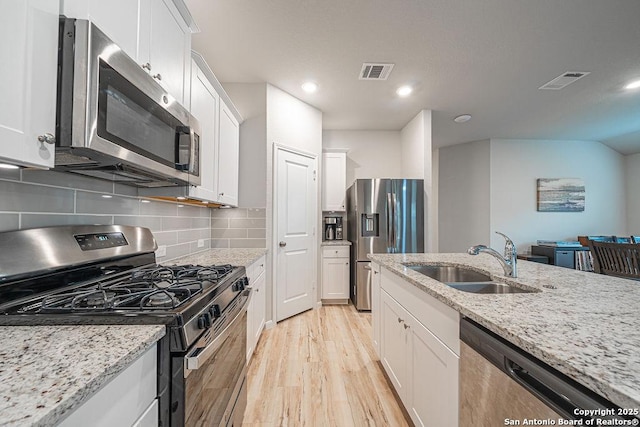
215	372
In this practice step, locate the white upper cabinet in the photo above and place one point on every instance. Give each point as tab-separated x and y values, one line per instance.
29	31
228	157
334	181
152	32
205	108
165	45
117	18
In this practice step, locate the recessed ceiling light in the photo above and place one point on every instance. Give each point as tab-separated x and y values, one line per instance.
309	87
633	85
404	91
8	166
181	198
462	118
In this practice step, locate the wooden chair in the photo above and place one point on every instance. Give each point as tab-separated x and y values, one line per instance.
616	259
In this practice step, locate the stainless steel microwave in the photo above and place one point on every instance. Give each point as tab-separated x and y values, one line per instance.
114	121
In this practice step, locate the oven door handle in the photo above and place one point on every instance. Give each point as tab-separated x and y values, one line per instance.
198	356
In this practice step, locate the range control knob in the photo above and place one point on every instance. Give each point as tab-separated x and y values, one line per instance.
214	311
238	286
204	321
245	280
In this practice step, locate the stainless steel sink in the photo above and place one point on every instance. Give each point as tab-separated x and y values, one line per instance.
488	288
467	280
446	274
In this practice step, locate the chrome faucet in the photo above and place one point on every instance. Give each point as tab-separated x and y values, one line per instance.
508	261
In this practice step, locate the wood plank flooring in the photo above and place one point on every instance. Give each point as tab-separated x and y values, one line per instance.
319	369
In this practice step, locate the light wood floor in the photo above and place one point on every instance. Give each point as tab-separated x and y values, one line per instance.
319	369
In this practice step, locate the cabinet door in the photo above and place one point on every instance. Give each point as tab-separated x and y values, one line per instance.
228	156
118	19
260	308
165	44
393	342
204	107
335	278
29	30
334	181
432	390
375	307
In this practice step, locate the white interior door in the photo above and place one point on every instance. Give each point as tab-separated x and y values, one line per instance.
296	206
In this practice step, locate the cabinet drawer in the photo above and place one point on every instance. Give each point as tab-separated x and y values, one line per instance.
335	252
256	269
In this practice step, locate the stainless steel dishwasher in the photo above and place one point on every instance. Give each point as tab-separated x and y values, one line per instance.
499	382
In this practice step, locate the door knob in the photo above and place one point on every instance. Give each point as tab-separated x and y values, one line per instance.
283	244
48	138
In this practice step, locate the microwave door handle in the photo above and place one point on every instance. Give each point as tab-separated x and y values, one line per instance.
182	130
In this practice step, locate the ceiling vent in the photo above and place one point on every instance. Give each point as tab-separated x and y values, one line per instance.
371	71
564	80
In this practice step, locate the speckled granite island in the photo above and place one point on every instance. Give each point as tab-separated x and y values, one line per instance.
584	324
46	372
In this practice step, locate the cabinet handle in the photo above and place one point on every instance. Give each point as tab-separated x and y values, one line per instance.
346	263
400	320
262	265
220	194
282	244
48	138
375	272
146	66
157	77
406	326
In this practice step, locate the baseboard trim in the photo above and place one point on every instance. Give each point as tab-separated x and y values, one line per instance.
269	324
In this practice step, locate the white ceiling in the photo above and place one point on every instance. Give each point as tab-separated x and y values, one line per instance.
485	58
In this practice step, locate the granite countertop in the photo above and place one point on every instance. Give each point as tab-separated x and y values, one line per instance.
587	327
46	372
238	257
335	243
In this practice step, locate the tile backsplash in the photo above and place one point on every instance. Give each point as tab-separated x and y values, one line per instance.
239	228
36	198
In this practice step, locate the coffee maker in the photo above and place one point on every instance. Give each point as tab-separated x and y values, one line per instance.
330	228
339	228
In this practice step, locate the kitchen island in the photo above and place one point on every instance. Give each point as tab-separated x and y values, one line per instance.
235	257
585	325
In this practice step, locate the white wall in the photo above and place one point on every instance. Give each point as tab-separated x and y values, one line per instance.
515	166
415	140
632	168
251	101
297	125
372	154
463	196
413	147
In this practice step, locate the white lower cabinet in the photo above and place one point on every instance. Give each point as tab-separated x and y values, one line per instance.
375	307
256	311
335	273
422	366
129	399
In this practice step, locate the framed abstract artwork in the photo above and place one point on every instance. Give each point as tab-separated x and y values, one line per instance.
561	195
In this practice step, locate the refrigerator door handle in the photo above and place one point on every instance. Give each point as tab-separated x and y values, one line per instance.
389	222
395	223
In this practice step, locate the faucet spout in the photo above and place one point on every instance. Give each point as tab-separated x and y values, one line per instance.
507	261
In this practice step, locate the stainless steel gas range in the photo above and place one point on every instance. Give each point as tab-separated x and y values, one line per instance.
108	275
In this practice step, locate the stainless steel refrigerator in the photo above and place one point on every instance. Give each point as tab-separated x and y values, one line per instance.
383	216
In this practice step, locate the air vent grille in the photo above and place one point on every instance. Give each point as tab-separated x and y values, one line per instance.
564	80
375	71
